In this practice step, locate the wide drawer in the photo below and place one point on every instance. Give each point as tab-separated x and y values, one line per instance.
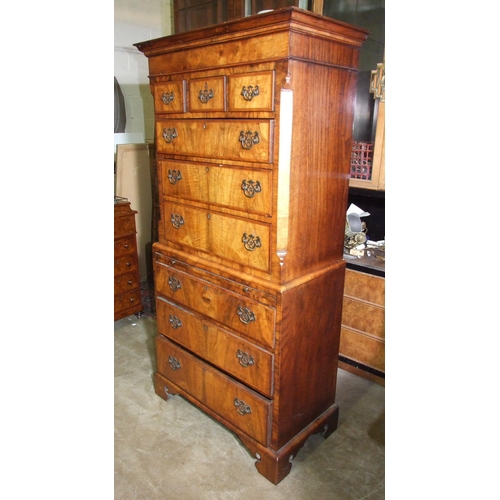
124	225
365	287
251	91
237	404
239	240
363	316
362	348
126	282
127	299
170	97
233	187
125	245
247	317
125	264
243	360
243	140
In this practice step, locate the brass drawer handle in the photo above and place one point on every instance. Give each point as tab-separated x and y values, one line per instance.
248	139
167	97
174	283
174	176
245	314
177	220
174	363
241	407
250	92
175	322
169	134
246	359
251	242
205	95
250	188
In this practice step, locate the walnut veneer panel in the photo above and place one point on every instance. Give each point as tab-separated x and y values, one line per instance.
253	172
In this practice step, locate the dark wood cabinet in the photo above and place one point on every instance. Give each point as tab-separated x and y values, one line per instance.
253	124
193	14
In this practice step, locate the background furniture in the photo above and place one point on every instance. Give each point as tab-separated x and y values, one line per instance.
127	282
362	337
253	139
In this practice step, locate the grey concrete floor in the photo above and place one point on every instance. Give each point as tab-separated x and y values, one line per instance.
172	450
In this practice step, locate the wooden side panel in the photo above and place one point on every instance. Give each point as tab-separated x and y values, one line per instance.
308	353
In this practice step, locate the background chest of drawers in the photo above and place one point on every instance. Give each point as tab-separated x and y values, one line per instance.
362	338
127	281
253	123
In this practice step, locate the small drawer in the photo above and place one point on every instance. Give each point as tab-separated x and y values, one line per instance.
126	282
127	299
240	314
244	189
207	94
364	316
125	245
243	360
252	92
247	140
362	348
125	264
170	97
124	225
237	404
239	240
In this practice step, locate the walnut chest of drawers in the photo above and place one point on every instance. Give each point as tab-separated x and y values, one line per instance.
362	337
127	281
253	123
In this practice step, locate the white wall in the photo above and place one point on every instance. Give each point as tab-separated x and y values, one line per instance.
137	21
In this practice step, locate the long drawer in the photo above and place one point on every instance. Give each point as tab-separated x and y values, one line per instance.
364	316
244	140
362	348
238	313
239	240
243	360
249	190
239	405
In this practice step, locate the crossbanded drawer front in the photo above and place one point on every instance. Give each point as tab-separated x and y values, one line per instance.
362	348
127	299
252	91
125	245
247	317
125	264
170	97
207	94
239	188
363	316
125	282
239	240
239	405
244	361
124	225
243	140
